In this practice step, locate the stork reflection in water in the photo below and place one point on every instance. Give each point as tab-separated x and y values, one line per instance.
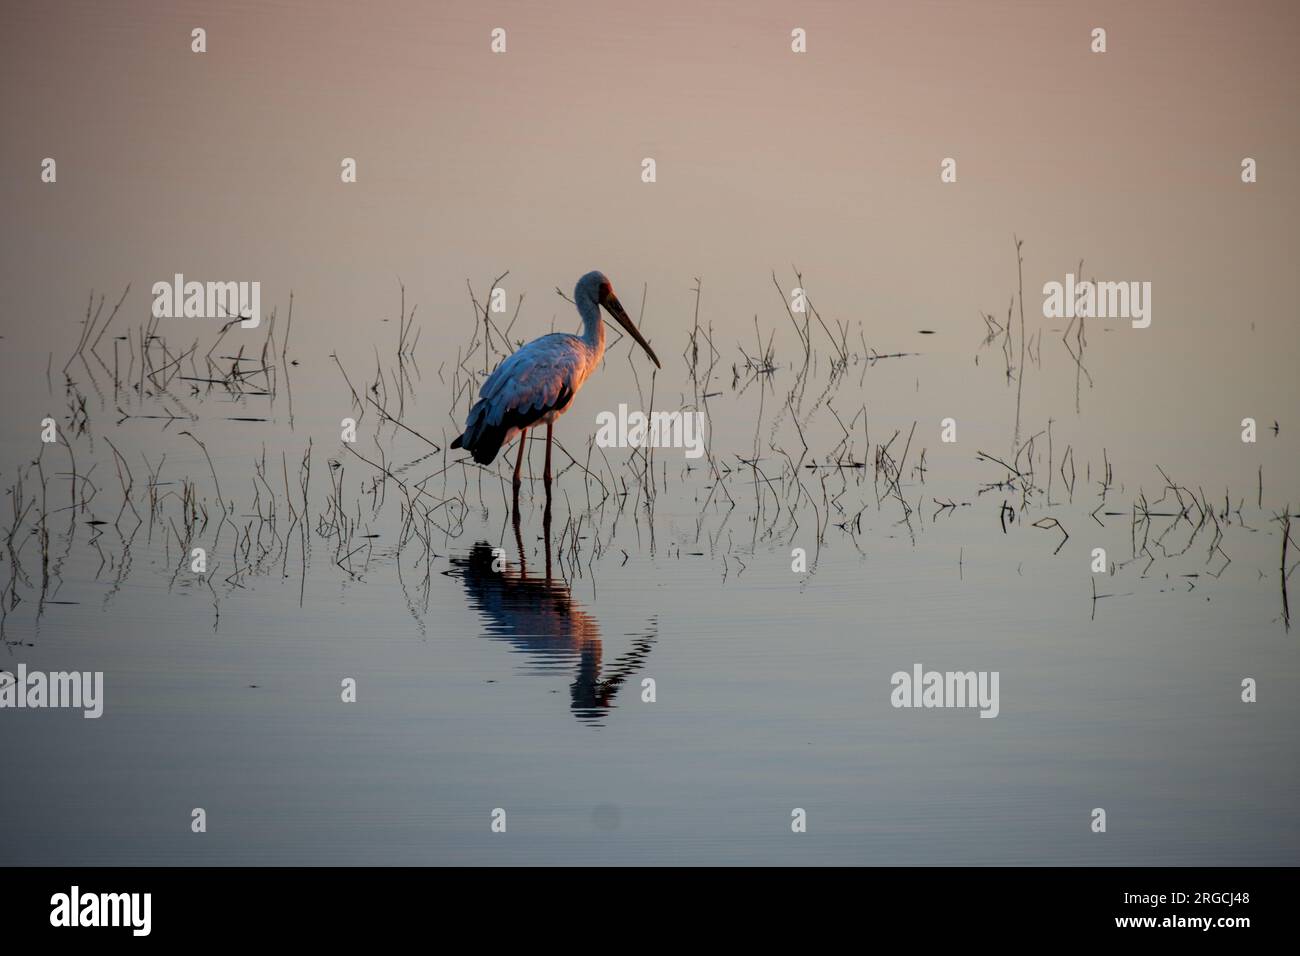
539	617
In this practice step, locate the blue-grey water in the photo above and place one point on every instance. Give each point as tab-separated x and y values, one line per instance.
521	687
480	689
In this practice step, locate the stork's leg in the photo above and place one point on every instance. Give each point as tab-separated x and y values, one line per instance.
546	474
546	480
519	462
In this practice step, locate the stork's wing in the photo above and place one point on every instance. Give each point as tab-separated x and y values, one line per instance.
532	381
539	378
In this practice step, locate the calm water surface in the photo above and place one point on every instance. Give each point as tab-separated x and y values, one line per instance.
521	688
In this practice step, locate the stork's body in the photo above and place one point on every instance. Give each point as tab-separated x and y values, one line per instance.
537	384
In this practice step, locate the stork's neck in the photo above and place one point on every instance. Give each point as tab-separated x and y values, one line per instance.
593	329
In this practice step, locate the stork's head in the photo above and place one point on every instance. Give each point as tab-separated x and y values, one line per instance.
594	288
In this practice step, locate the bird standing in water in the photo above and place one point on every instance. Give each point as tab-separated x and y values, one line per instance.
538	383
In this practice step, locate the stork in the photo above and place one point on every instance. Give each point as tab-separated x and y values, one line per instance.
538	383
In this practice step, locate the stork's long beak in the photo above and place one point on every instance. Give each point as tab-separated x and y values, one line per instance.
615	308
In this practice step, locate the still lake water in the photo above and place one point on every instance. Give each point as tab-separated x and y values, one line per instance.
479	690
